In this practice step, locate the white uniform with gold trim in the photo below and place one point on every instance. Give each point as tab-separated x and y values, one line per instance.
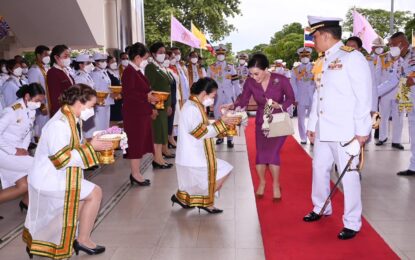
102	82
340	111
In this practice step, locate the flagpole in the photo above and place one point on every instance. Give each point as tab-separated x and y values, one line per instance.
171	42
391	22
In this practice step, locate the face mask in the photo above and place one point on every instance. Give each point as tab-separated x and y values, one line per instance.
4	69
113	66
33	105
220	57
17	72
395	51
242	62
86	114
208	102
305	60
178	58
46	60
89	68
102	64
66	62
194	60
379	50
124	63
173	62
160	58
166	63
25	71
143	64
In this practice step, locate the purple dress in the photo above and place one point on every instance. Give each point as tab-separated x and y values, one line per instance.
280	90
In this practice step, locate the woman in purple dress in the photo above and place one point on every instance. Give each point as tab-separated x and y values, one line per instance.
263	85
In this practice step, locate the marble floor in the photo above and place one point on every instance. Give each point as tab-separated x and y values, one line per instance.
140	222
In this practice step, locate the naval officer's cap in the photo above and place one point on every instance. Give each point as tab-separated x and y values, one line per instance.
317	22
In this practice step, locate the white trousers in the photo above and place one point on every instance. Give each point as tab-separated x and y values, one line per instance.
325	154
411	123
389	107
302	113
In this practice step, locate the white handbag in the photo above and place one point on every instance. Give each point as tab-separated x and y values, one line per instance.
278	124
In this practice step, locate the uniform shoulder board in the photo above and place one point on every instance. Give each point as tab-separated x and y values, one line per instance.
234	77
369	58
347	48
17	106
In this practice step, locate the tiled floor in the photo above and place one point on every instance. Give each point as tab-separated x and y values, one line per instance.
144	225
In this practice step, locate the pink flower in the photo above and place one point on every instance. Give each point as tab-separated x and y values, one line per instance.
113	130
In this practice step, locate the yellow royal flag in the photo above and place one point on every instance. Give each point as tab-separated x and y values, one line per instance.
199	35
413	38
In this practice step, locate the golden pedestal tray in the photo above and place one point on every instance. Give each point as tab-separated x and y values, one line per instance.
162	96
101	96
232	131
116	90
107	156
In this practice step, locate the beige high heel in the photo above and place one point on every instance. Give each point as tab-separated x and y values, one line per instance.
276	194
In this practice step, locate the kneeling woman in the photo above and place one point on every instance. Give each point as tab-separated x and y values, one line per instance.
57	190
16	125
200	174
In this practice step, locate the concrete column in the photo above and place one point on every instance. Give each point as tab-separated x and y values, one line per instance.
111	25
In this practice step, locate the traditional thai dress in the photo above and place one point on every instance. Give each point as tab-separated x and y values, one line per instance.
196	162
56	186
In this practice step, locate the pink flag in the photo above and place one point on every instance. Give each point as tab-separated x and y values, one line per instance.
363	30
179	33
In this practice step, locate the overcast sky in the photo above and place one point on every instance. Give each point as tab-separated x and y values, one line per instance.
260	19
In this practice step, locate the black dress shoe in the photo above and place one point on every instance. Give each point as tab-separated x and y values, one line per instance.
347	234
90	251
303	142
398	146
93	168
133	180
230	144
406	173
219	141
312	216
171	156
174	199
161	166
22	206
379	143
211	211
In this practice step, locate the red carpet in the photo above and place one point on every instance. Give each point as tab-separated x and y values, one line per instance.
284	233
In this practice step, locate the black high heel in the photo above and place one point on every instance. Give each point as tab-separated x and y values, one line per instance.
90	251
28	252
161	166
170	146
22	206
174	199
146	182
171	156
211	211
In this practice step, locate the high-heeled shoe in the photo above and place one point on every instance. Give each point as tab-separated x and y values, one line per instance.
276	198
90	251
170	146
211	211
22	206
171	156
162	166
174	199
28	253
133	180
260	195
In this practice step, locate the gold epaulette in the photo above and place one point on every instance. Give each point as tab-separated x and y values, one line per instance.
347	48
17	106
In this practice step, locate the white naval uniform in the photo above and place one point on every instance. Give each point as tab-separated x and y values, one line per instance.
35	75
3	78
16	124
82	77
340	111
184	81
387	89
9	89
178	99
303	87
102	82
372	61
228	84
243	73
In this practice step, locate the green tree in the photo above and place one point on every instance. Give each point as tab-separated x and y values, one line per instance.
209	16
379	19
295	28
409	27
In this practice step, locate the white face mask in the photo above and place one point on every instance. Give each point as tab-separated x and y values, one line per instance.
178	58
89	68
305	60
166	63
33	105
208	102
87	113
242	62
160	58
143	64
25	71
113	66
220	57
395	51
4	69
379	50
46	60
66	62
17	72
173	62
194	60
124	63
102	64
